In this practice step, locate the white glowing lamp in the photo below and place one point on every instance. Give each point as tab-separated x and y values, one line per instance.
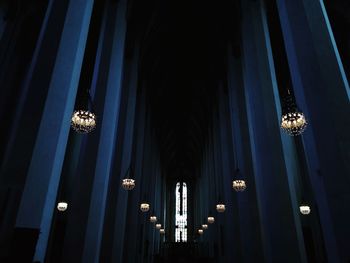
153	219
200	231
158	226
83	121
144	207
239	185
294	122
128	184
62	206
220	208
205	226
211	219
305	209
162	231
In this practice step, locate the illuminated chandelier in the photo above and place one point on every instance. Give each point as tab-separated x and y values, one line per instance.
153	218
128	183
84	120
220	208
211	219
62	206
238	185
293	121
144	207
305	209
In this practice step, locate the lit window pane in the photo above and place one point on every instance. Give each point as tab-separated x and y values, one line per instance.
181	213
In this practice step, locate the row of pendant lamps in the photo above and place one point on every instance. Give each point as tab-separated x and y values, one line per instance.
304	210
293	123
144	207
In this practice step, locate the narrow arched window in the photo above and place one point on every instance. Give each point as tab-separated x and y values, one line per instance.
181	212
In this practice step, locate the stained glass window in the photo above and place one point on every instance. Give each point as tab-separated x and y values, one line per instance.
181	212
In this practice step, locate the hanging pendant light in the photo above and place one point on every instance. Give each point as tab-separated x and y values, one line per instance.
238	185
84	120
153	218
204	226
305	209
62	206
293	121
211	219
128	183
158	226
144	207
162	231
200	231
220	208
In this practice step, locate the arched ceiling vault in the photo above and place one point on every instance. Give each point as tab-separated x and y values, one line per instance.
182	60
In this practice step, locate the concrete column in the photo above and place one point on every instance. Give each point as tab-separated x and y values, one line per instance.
249	232
39	195
133	212
20	143
277	204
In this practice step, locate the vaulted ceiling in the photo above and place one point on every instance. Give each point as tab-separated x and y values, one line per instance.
183	56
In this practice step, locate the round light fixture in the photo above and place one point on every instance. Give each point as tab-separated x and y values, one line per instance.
62	206
220	208
158	226
144	207
128	184
239	185
162	231
205	226
153	219
83	121
293	122
211	219
200	231
305	209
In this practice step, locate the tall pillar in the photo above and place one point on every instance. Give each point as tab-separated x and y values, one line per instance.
231	242
322	91
280	223
107	144
39	195
249	231
27	113
121	207
133	211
